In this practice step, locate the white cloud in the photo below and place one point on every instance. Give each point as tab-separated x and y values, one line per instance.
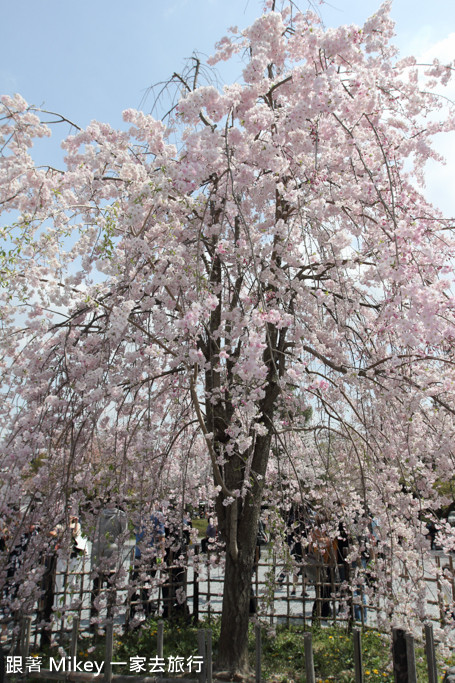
443	49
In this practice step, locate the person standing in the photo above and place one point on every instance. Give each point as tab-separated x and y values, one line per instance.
106	555
148	555
297	524
325	550
48	584
174	588
207	543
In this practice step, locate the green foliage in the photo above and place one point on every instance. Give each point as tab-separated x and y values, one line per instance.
283	659
283	655
333	655
179	639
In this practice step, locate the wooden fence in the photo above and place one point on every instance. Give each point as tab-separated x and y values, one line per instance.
402	645
74	596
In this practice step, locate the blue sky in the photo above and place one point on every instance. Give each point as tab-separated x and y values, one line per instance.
91	59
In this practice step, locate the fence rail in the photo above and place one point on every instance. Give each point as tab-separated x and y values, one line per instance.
74	593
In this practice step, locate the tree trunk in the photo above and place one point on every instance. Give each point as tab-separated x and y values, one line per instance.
233	643
238	525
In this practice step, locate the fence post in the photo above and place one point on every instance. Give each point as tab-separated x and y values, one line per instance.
2	666
160	639
171	587
208	634
349	601
109	651
61	596
442	616
257	630
358	665
332	571
304	596
74	635
24	642
82	587
288	604
201	651
272	612
309	664
256	577
131	580
410	654
452	576
196	585
362	605
44	612
431	655
94	594
400	660
317	600
209	596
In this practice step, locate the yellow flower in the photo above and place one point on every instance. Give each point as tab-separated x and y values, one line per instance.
367	673
375	671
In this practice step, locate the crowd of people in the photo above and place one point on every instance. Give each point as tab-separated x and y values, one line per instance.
161	543
329	553
326	553
320	551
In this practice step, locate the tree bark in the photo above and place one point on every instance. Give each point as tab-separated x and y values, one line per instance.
238	518
233	643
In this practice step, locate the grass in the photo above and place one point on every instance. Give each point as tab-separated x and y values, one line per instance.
283	658
201	525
